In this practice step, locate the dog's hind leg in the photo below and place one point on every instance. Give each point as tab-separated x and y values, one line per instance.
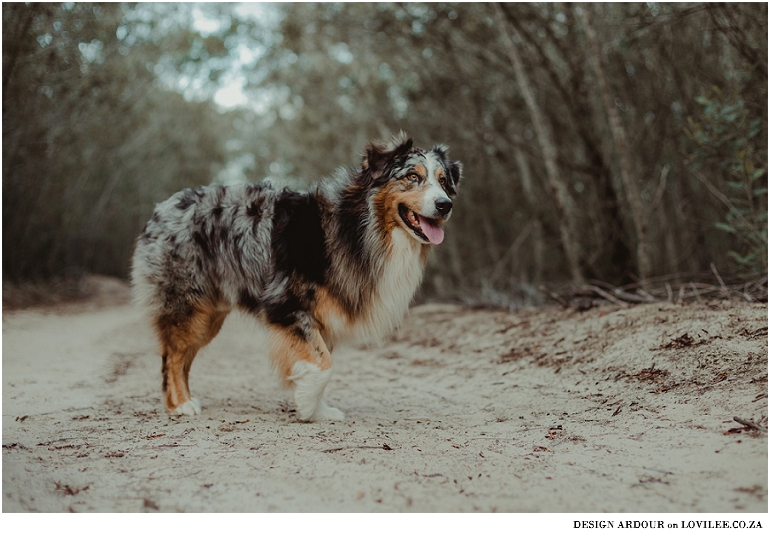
304	362
181	338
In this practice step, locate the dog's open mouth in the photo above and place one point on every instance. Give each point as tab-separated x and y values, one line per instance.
424	228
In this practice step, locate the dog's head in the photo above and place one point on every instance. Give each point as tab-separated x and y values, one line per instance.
413	188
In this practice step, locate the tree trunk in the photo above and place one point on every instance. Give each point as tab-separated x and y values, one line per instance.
628	177
525	174
565	205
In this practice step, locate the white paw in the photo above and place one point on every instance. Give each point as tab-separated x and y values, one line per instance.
325	412
309	384
191	407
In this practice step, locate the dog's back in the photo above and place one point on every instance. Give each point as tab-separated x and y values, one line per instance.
203	246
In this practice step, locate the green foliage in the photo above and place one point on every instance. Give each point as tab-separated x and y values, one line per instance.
728	141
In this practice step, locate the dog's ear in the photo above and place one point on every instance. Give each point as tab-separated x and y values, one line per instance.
455	172
379	158
454	168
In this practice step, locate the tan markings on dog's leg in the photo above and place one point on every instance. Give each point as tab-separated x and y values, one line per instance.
175	353
305	364
287	348
332	317
181	339
216	319
177	393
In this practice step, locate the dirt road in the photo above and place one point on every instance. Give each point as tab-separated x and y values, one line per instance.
608	410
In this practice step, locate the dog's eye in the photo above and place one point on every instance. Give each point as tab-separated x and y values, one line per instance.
414	177
442	180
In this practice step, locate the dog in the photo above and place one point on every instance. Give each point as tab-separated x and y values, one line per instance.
338	263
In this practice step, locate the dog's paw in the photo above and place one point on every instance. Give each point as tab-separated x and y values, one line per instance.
325	412
191	407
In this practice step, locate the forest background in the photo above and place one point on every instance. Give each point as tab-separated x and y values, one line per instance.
601	143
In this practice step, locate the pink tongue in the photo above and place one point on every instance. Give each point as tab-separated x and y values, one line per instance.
434	233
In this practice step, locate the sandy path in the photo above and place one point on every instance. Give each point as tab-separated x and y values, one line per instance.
540	410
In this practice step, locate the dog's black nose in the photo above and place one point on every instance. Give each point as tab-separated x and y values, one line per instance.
443	206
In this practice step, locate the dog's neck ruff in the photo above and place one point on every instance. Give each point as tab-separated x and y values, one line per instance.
380	279
401	276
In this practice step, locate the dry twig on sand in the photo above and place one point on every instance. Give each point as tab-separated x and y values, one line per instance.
749	423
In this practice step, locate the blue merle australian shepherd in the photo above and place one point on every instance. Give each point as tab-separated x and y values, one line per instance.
341	262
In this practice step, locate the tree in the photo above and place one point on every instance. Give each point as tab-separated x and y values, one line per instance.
90	143
107	110
563	200
630	181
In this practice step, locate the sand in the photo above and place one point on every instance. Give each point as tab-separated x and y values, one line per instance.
541	410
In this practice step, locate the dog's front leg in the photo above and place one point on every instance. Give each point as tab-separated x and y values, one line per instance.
305	363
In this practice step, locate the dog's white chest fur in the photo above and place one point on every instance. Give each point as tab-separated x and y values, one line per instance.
401	275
